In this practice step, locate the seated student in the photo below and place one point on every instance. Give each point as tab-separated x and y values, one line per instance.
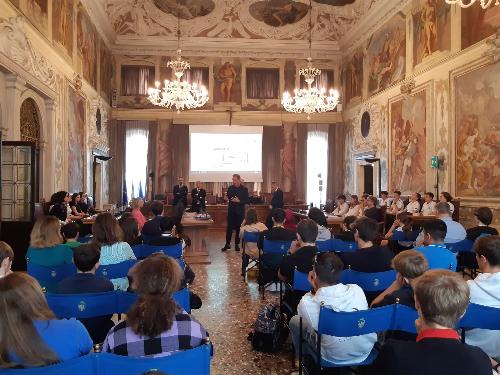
446	197
6	259
384	200
319	218
326	290
455	231
397	205
158	224
441	298
30	335
484	290
429	206
342	206
300	257
347	233
371	210
251	223
71	232
108	234
437	254
130	228
354	207
58	205
136	204
86	259
155	324
403	223
483	217
86	204
290	221
74	205
413	207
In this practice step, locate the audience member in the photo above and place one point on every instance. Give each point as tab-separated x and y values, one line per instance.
429	206
364	197
30	335
251	223
158	224
74	205
484	290
397	205
347	233
483	217
403	223
342	207
71	232
327	291
446	197
58	205
6	259
136	204
455	231
86	259
413	207
130	229
319	218
437	254
86	204
354	207
155	318
108	234
441	298
385	201
371	210
290	220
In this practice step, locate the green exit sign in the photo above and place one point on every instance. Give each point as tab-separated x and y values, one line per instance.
434	162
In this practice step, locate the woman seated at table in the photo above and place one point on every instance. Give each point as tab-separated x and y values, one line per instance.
58	205
107	233
155	324
319	218
446	197
136	204
403	223
30	334
74	205
354	207
251	224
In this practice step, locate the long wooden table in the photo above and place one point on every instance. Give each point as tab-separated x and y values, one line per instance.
334	222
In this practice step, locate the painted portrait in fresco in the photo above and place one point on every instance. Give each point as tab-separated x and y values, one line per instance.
431	28
278	12
37	12
107	65
87	46
353	76
62	24
186	9
387	54
76	134
227	77
408	119
477	116
478	24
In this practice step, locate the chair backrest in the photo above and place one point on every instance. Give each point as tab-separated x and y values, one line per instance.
84	365
324	246
144	250
464	245
251	237
117	270
126	299
404	236
85	239
369	282
85	305
343	246
354	323
479	316
300	281
404	318
50	274
276	247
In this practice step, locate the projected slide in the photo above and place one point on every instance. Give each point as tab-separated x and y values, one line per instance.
216	152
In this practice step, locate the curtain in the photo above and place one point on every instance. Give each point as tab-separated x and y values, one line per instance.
336	152
197	75
152	159
263	83
301	162
317	163
116	135
180	153
136	157
136	80
271	156
325	80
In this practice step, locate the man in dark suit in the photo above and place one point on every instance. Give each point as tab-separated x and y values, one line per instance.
237	198
441	297
277	199
180	193
371	209
159	223
198	195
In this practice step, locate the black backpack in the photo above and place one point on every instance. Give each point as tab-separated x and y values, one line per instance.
267	335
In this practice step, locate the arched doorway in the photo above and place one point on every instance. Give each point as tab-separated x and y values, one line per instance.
30	132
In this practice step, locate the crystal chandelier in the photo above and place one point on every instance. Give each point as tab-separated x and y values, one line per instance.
310	99
466	4
179	94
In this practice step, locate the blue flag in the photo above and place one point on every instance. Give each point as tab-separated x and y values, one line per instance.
124	194
141	194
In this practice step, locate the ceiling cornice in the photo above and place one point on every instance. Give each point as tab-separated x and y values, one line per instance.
96	12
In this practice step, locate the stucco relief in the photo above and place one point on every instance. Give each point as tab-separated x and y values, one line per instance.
96	139
373	140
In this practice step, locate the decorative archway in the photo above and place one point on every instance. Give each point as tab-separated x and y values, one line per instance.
30	122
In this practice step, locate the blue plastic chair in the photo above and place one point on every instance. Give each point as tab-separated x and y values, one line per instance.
301	282
50	276
276	247
479	316
84	365
273	251
251	237
126	299
464	245
117	270
143	251
85	239
85	305
343	246
403	236
369	282
192	361
404	318
324	246
247	262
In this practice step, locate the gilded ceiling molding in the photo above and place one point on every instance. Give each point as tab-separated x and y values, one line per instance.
16	46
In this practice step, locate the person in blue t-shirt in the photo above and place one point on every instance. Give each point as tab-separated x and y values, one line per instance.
435	251
30	335
86	258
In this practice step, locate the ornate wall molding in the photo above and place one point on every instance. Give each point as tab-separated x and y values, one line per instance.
372	141
16	46
493	52
97	139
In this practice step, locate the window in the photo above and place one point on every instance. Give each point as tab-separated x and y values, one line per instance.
136	157
263	83
325	80
137	79
198	75
317	164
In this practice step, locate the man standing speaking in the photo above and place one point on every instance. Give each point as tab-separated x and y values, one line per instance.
237	198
